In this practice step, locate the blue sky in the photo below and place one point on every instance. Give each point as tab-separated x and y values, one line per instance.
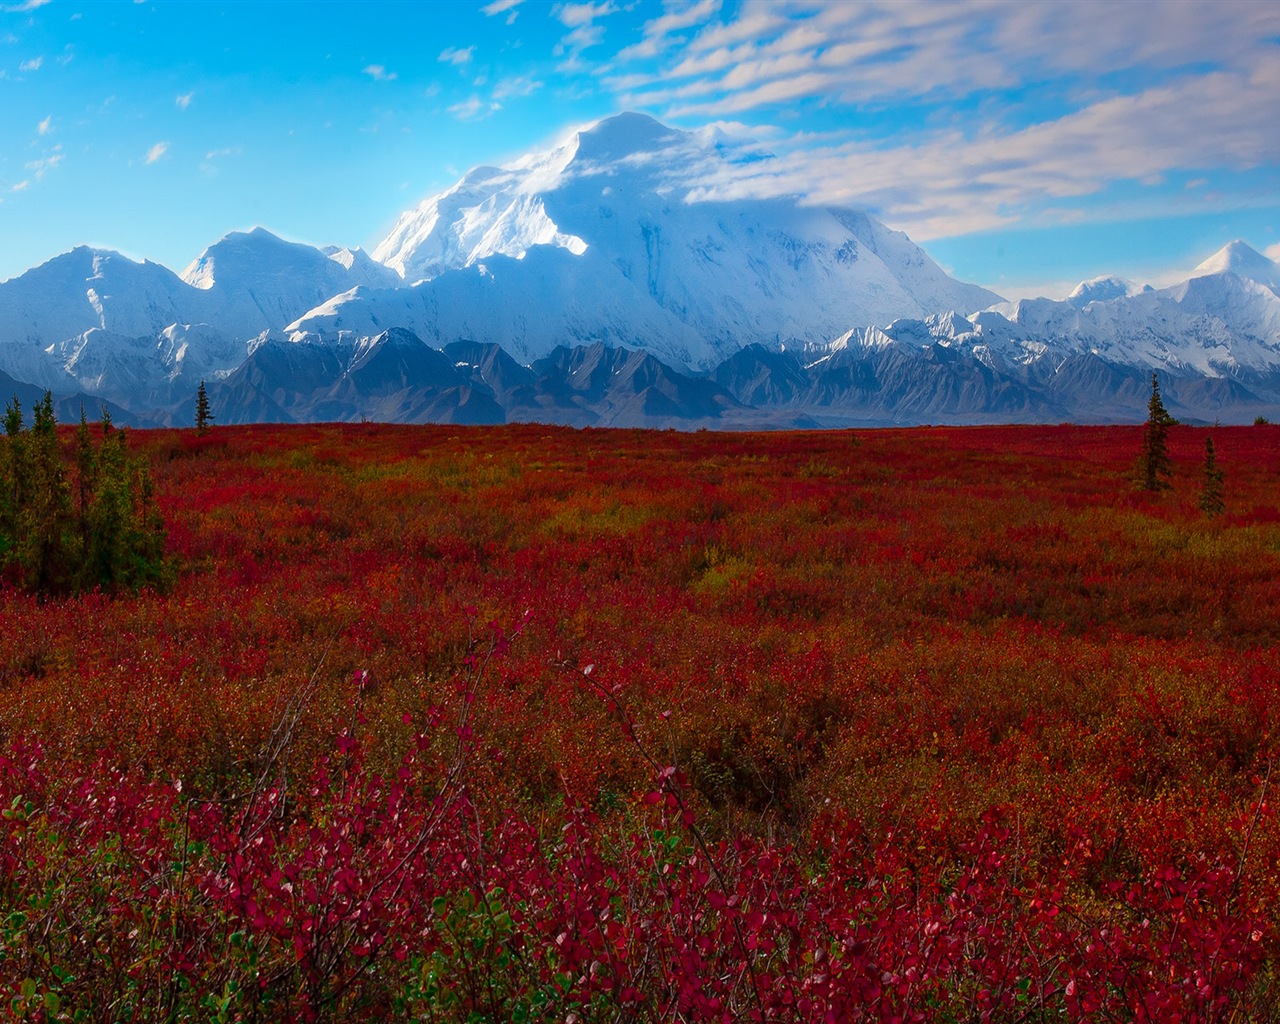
1027	146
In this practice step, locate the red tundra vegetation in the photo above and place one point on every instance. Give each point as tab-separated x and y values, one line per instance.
527	723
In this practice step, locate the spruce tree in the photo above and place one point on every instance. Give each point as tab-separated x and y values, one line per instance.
9	460
45	525
125	536
203	416
86	476
101	530
1211	497
1154	464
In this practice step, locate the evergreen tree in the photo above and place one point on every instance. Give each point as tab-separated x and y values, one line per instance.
1155	407
10	459
45	526
86	476
1211	497
1154	464
124	532
203	416
101	530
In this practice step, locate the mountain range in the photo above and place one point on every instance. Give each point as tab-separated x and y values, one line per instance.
619	279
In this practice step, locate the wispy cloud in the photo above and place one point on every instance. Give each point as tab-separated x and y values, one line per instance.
584	32
1151	98
157	151
379	73
573	15
1272	252
876	50
31	65
944	183
24	7
456	56
39	167
45	126
507	7
659	32
474	109
521	85
22	186
183	100
209	165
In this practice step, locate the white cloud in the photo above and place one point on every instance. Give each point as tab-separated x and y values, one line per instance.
474	109
580	18
45	126
157	151
456	56
184	100
1272	252
48	163
952	178
22	186
946	183
379	73
857	53
209	165
521	85
573	15
23	8
581	38
1175	95
658	31
499	7
31	65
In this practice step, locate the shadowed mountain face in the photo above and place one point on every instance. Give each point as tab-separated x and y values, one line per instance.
399	378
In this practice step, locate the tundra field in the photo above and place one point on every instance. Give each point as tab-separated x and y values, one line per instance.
526	723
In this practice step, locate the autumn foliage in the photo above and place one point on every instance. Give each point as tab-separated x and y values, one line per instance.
526	723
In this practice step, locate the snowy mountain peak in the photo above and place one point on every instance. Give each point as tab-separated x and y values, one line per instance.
506	211
1243	260
1103	289
633	200
241	253
626	135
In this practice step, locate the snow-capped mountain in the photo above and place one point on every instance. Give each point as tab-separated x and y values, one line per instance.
604	239
254	281
1223	321
134	332
607	281
1104	289
1243	261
